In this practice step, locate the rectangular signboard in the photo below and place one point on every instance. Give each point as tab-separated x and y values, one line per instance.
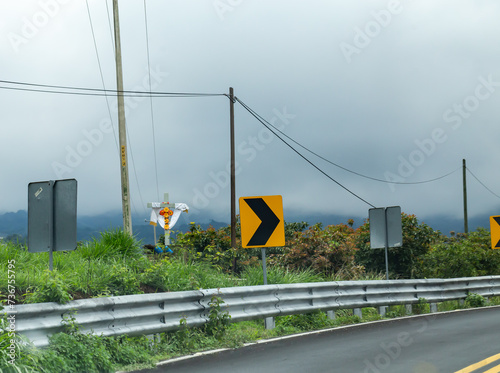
385	227
52	215
39	216
377	228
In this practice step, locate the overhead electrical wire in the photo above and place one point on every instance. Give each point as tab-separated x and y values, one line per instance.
480	182
354	172
102	75
109	24
266	124
151	100
82	91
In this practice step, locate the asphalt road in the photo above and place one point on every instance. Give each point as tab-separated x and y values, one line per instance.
444	343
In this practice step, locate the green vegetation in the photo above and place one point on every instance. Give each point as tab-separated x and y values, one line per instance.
461	256
116	264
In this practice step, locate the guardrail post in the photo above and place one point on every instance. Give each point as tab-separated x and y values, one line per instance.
358	312
382	310
409	309
433	307
269	323
153	339
330	314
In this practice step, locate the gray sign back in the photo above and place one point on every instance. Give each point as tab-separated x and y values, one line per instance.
385	221
52	215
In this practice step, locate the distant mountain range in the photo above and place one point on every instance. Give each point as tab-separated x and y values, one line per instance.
16	223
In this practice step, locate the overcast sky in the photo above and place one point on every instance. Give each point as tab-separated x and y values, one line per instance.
396	91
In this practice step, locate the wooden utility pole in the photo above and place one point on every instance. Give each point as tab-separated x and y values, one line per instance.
233	172
466	223
122	133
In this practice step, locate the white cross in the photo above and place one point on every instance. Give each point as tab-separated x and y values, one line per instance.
163	205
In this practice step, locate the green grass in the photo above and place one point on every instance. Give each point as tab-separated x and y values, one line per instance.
278	275
114	264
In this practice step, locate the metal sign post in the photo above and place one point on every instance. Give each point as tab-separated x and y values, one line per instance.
264	269
385	230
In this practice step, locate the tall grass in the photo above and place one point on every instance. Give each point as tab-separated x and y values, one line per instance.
114	264
278	275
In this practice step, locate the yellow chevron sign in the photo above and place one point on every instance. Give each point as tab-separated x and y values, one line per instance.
262	223
495	232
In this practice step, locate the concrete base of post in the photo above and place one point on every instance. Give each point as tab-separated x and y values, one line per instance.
330	315
269	323
358	312
382	310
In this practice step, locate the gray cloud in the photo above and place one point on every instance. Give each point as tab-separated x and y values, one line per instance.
375	112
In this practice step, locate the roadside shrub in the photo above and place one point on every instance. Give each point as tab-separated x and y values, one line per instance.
323	250
73	351
475	300
218	320
462	256
121	243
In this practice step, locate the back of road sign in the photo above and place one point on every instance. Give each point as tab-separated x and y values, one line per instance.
377	228
39	216
385	221
52	215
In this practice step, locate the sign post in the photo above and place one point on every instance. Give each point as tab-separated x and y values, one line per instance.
385	230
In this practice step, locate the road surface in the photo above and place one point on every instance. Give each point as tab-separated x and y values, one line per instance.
444	343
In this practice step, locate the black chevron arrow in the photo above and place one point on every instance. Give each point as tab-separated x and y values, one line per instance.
269	221
497	219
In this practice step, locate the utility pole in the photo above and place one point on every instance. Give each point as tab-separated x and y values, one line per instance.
466	223
122	133
233	172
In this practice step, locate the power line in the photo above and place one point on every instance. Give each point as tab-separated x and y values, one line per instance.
102	75
266	124
354	172
480	182
58	89
109	24
151	100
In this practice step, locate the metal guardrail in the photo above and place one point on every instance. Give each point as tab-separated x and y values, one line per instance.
154	313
